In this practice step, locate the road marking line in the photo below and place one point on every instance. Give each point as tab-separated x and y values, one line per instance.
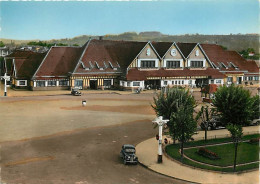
28	160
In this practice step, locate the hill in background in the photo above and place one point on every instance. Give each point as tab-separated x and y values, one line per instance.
236	42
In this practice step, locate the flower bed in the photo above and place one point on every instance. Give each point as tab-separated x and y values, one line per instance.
208	154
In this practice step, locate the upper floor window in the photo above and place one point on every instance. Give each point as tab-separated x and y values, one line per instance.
173	64
197	53
148	64
148	52
196	64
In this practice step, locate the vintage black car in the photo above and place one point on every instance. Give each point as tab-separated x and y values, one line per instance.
128	154
75	92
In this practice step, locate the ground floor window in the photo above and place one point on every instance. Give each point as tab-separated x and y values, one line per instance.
107	82
230	79
128	84
78	83
40	83
63	83
256	78
250	78
51	83
22	83
136	83
165	83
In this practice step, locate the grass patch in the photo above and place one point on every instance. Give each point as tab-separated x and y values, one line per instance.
245	155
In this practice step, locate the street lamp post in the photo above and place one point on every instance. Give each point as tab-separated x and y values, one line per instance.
159	120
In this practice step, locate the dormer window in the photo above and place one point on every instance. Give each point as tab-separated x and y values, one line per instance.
197	53
91	65
97	64
224	65
105	65
148	52
232	64
173	52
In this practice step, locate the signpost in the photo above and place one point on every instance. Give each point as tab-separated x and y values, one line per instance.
6	78
159	120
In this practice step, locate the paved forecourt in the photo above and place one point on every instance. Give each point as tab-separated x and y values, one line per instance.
147	154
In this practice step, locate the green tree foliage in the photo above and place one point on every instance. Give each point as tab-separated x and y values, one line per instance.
177	106
234	105
45	44
2	44
255	112
236	132
75	45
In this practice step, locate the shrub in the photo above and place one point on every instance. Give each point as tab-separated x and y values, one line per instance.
207	153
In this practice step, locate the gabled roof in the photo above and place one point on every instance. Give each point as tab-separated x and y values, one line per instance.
135	74
25	68
106	56
20	54
161	47
186	48
59	61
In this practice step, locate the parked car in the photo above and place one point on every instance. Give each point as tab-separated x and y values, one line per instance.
128	154
213	123
75	92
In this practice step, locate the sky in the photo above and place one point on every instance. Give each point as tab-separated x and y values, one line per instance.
26	20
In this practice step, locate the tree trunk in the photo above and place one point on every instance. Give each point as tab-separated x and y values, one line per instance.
235	160
182	151
206	131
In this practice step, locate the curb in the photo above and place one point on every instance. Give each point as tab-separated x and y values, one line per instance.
145	166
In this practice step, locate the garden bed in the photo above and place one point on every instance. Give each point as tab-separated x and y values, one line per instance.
247	153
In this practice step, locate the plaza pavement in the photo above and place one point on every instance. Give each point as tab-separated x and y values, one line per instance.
147	154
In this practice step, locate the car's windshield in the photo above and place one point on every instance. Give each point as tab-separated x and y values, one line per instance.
129	150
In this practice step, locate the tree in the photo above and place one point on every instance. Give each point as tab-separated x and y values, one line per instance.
185	126
177	105
255	112
234	105
236	134
2	44
205	114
